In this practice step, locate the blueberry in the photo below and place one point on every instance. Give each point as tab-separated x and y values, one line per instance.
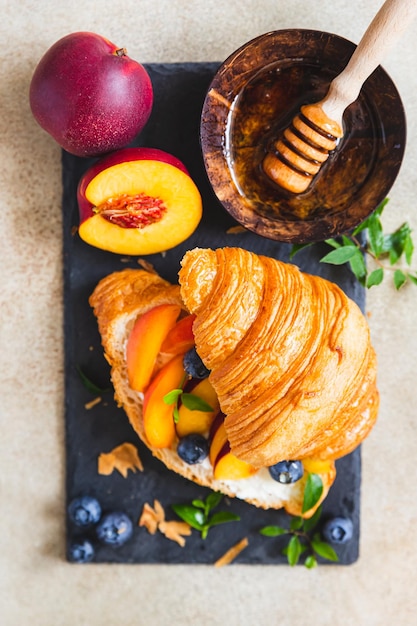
84	511
193	449
81	551
194	366
287	471
338	530
115	528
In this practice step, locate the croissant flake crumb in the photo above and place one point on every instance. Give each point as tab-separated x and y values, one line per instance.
232	553
146	266
92	403
235	230
150	518
153	519
175	531
123	458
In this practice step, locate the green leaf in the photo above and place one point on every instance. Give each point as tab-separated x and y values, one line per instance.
172	396
194	403
88	384
347	241
375	278
190	514
376	214
197	513
221	517
273	531
363	226
204	531
393	255
387	245
409	249
303	548
213	499
294	550
375	236
176	414
297	247
324	550
296	523
358	266
199	504
310	523
312	491
333	243
340	256
380	208
399	278
398	241
413	278
310	561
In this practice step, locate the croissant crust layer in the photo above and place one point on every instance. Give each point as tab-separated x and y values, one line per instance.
290	355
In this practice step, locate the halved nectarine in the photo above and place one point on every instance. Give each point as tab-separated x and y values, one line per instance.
144	343
138	201
196	421
158	417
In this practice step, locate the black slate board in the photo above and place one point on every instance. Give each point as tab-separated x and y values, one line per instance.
174	126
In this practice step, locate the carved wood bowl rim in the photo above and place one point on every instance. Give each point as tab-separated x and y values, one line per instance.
381	97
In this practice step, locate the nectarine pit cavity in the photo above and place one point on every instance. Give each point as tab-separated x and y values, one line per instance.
137	211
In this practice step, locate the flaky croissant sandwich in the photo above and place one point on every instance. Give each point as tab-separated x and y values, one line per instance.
245	377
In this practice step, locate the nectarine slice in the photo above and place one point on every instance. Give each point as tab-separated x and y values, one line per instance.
217	442
158	417
316	466
140	207
144	343
197	421
228	467
180	338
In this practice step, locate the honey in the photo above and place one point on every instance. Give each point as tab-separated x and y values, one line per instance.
261	112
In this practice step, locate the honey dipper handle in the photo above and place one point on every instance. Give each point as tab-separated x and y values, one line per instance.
385	29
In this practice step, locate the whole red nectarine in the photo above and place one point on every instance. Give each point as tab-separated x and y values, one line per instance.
89	95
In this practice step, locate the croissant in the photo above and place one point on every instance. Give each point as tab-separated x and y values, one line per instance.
290	356
123	297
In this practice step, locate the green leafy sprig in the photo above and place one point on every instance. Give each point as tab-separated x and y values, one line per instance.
190	400
199	513
89	384
388	251
301	540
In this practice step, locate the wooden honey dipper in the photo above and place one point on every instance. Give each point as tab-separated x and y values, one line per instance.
297	156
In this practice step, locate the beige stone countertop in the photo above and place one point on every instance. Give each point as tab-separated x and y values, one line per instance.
38	587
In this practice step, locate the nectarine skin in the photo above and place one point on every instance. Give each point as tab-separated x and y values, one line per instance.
228	467
180	339
89	95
